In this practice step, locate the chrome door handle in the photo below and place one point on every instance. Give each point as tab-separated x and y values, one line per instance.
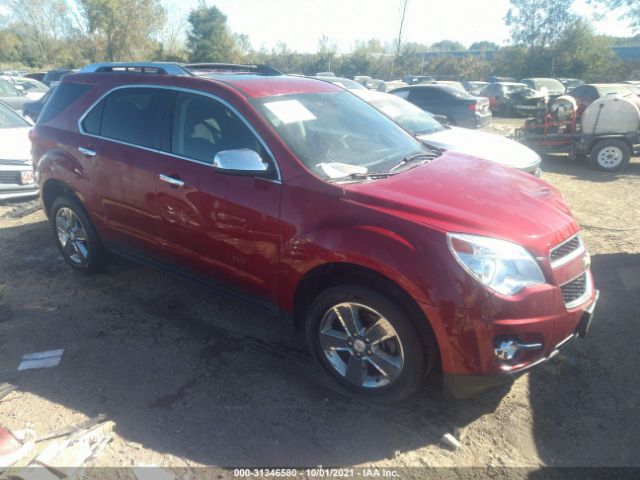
87	151
176	182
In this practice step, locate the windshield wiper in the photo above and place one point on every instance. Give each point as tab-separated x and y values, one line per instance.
362	176
415	159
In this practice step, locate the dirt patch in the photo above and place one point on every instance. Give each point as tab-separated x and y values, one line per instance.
191	378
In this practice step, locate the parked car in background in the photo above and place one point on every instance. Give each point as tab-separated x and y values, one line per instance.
586	94
297	195
54	76
10	95
494	79
35	75
460	108
489	146
374	84
507	99
452	84
342	82
393	84
31	110
16	167
474	87
551	86
419	79
32	89
571	83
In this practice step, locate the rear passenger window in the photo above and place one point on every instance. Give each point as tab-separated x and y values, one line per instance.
203	127
131	115
63	96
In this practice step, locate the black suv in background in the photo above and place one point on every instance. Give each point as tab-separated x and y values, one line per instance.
460	108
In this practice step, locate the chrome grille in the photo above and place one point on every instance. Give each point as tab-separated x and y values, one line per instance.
566	250
574	290
12	178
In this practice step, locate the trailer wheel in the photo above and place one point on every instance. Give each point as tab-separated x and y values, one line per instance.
610	155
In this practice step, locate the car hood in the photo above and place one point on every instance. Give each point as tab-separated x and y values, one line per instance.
488	146
15	144
460	193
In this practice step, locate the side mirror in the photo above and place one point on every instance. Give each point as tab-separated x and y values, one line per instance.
242	161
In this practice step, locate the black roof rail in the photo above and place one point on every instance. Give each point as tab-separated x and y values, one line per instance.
159	68
233	67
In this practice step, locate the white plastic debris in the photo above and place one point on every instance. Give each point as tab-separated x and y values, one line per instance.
47	359
450	441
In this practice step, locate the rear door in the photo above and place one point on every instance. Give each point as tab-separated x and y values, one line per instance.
123	136
217	224
433	100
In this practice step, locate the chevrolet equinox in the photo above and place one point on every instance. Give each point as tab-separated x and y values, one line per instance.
395	260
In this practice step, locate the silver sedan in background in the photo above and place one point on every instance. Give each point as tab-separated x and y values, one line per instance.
422	125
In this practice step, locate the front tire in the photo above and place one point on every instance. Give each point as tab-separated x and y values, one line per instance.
610	155
366	342
76	236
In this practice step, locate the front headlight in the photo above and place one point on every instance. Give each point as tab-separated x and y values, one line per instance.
504	267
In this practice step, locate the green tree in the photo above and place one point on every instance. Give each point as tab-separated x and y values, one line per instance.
538	23
125	28
210	39
629	10
446	46
484	45
9	46
42	26
579	53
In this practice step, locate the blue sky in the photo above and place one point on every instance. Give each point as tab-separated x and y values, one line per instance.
300	23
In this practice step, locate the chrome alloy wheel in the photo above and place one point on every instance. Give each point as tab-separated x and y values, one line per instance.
610	157
361	345
72	236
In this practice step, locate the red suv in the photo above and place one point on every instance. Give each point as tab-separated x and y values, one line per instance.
297	195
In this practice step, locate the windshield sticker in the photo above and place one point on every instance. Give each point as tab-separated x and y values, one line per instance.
390	111
339	170
289	111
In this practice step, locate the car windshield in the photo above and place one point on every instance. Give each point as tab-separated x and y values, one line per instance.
407	115
335	134
7	90
516	87
549	84
10	119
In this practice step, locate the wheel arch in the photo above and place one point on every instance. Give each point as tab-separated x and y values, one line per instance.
328	275
54	188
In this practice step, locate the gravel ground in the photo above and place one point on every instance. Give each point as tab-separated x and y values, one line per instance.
191	378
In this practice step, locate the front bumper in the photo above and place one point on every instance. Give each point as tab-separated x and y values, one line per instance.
11	184
462	386
467	386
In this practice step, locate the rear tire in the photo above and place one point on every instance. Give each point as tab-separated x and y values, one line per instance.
610	155
76	236
366	343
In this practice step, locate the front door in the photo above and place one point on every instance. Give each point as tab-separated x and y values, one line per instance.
221	225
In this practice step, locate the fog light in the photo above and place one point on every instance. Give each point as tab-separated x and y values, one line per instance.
508	349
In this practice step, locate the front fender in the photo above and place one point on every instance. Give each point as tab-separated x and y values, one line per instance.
373	247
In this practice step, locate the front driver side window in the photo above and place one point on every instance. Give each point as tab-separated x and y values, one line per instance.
203	127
